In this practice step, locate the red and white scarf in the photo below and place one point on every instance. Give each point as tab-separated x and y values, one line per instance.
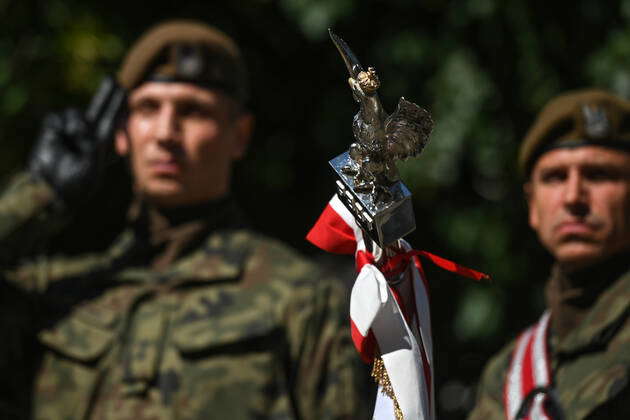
377	314
529	370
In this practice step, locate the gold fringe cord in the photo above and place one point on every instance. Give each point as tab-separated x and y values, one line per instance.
379	373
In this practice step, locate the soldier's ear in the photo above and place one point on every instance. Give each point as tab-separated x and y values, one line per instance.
121	142
528	193
244	126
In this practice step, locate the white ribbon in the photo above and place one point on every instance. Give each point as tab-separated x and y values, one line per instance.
373	306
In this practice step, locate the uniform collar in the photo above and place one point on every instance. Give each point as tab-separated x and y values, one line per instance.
162	236
589	306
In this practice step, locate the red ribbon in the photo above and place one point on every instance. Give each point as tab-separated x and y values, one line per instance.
398	263
334	234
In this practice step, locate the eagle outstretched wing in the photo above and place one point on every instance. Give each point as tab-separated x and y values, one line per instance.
407	130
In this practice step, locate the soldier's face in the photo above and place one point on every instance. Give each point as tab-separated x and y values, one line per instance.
579	204
181	140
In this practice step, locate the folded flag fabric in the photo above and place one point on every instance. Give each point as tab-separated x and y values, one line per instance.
383	329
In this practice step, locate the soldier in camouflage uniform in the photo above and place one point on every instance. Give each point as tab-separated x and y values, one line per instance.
577	160
188	315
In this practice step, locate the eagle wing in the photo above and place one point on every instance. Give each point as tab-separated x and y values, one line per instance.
407	130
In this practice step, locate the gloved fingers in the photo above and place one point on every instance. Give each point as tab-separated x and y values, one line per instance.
103	111
44	154
49	141
52	121
99	102
74	123
106	125
75	137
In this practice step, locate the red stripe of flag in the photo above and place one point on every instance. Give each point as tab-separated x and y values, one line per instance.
527	376
365	345
331	233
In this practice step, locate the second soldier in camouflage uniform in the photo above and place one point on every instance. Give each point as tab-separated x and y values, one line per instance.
577	159
189	315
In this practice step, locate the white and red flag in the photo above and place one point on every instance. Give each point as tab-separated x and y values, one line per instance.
529	375
381	325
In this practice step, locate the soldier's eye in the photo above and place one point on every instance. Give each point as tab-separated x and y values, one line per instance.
597	174
553	175
194	109
145	106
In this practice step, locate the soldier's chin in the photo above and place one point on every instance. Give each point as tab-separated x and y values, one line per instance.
164	192
576	254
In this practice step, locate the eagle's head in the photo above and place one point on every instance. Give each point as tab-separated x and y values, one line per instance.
365	84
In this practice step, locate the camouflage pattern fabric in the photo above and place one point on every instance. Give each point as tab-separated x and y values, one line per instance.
239	328
591	364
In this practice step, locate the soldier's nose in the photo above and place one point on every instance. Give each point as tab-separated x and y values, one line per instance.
167	125
576	194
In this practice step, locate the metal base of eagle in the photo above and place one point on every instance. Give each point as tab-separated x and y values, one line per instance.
384	220
369	184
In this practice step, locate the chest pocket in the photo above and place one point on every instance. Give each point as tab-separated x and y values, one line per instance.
78	345
225	322
84	335
229	349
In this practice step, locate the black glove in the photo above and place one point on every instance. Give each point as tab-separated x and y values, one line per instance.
72	149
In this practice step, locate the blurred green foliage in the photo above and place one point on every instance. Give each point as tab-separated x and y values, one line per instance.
483	68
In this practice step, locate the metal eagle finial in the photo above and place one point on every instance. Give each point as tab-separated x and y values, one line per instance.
381	139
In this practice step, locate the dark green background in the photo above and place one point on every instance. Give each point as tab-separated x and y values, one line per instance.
482	67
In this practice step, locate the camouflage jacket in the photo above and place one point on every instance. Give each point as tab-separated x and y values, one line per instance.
239	327
590	364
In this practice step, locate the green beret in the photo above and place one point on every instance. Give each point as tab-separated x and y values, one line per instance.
186	51
577	118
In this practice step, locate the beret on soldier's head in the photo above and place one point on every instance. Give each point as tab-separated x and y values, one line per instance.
186	51
577	118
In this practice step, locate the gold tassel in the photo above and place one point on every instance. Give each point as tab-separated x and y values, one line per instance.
379	373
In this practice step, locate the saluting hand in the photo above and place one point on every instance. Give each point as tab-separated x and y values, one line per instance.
73	147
